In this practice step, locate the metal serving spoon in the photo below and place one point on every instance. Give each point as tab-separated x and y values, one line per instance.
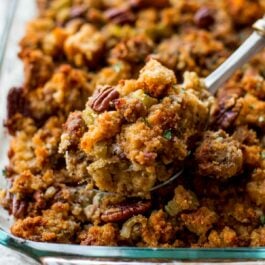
252	45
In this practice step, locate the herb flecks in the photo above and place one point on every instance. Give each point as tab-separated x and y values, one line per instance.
146	122
117	67
168	135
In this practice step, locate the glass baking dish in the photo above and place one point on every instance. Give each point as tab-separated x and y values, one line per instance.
11	75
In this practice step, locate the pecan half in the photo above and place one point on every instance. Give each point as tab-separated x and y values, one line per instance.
102	98
124	212
120	16
16	102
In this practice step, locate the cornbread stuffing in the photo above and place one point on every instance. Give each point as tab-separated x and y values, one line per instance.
130	130
113	103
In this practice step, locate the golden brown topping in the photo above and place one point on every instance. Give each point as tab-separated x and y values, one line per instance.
243	212
156	78
258	237
85	47
131	109
226	238
256	187
133	50
253	82
255	117
183	200
209	52
244	12
103	97
38	68
200	221
53	225
107	125
123	212
106	235
160	228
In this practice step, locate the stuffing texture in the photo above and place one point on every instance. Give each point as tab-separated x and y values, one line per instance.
113	103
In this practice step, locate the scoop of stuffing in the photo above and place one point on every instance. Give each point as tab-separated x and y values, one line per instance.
139	131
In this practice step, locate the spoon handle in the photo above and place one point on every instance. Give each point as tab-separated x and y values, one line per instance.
254	43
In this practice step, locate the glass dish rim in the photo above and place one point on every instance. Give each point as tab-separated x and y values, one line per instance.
11	9
38	250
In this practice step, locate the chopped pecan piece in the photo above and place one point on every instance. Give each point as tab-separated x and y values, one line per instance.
78	11
74	127
124	212
16	102
229	106
204	18
120	16
19	208
40	202
136	4
228	116
103	97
